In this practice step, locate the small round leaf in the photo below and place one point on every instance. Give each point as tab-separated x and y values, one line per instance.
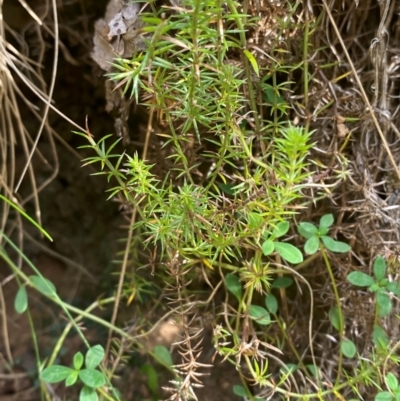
360	279
92	378
21	300
268	247
72	378
260	315
326	221
392	382
55	373
281	229
289	252
94	356
348	348
311	246
384	396
307	230
88	394
78	360
335	246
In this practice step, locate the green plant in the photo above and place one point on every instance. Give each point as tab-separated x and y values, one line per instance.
378	284
287	251
316	236
394	387
225	196
234	218
382	286
90	376
317	239
221	203
186	76
260	278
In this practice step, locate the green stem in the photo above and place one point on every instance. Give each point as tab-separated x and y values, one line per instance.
240	21
339	306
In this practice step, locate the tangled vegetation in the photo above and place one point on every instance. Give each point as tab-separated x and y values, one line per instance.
253	200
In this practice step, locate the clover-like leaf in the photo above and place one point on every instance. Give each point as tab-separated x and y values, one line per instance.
392	381
94	356
260	315
72	378
78	360
88	394
289	252
268	247
335	246
55	373
326	221
311	246
281	229
307	230
383	396
360	279
92	378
